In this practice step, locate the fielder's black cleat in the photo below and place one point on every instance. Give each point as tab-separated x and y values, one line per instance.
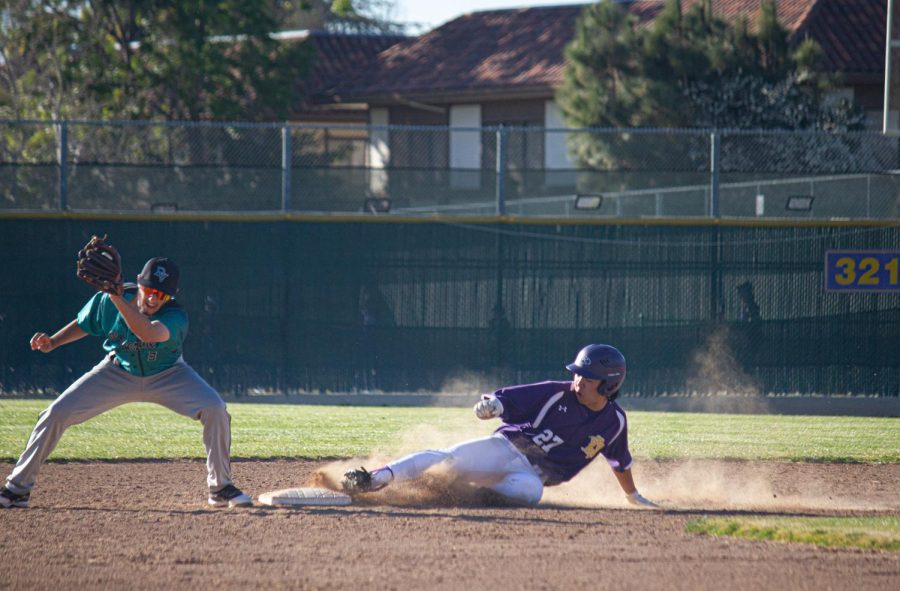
10	499
229	496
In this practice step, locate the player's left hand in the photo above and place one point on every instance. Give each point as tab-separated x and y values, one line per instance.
639	500
99	265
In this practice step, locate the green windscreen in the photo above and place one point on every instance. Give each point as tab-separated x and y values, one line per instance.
290	305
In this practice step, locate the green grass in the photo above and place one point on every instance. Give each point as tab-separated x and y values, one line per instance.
871	533
282	430
765	437
138	431
258	431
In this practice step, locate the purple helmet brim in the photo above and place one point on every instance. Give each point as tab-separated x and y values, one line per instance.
583	372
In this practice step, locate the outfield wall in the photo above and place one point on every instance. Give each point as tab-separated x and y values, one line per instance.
298	305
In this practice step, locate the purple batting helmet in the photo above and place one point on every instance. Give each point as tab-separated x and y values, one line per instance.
601	362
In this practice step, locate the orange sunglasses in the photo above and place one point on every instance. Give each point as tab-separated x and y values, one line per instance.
149	291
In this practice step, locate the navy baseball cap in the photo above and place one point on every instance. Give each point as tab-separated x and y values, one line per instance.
160	273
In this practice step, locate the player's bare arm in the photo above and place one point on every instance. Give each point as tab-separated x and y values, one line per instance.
45	343
626	481
137	315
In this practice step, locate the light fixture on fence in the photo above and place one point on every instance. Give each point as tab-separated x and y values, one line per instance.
588	201
799	203
164	207
377	205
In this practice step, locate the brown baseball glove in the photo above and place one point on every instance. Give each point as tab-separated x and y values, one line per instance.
100	266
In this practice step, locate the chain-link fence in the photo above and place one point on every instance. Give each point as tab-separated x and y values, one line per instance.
407	170
308	306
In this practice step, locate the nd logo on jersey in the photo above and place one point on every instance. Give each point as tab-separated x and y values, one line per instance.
593	447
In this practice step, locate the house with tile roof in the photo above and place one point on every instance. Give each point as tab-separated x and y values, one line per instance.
516	56
335	56
504	66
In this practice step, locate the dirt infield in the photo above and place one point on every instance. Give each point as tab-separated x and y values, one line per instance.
144	525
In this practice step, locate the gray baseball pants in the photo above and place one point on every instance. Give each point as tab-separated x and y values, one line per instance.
107	386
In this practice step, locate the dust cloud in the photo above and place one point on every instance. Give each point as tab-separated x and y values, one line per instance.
698	485
706	485
717	375
469	384
711	485
436	487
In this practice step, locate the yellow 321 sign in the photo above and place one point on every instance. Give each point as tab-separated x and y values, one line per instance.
862	270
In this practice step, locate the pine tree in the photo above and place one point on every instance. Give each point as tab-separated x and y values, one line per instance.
689	69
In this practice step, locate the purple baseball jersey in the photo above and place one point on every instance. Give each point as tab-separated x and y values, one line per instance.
558	434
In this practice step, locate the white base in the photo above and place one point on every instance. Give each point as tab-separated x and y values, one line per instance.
290	497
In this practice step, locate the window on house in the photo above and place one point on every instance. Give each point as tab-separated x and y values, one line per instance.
524	135
330	147
426	146
524	146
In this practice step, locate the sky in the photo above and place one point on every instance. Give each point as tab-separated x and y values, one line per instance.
432	13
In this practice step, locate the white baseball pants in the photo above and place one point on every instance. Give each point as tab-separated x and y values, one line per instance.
492	462
107	386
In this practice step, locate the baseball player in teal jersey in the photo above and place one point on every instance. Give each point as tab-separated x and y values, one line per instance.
144	330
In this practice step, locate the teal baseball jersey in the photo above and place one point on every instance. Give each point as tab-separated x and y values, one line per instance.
100	318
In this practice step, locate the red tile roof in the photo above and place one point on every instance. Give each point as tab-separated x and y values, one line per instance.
520	51
336	54
851	33
790	12
480	51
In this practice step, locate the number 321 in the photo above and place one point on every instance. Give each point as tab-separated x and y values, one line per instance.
866	273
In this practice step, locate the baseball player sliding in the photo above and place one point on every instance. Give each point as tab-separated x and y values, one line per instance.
550	432
144	328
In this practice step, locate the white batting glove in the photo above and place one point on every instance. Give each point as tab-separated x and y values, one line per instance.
488	408
636	499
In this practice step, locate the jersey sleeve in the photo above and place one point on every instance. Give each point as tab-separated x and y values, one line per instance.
616	451
522	403
176	320
90	318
